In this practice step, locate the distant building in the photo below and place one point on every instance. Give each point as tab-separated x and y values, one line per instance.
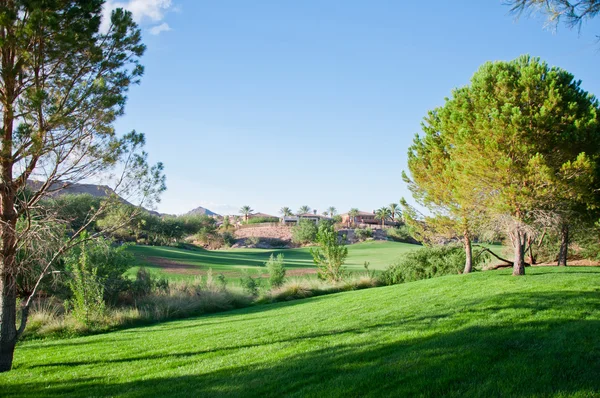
362	217
261	215
293	220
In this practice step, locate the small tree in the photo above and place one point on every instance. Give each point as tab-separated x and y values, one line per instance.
305	231
331	254
276	269
88	292
394	211
226	223
246	211
332	211
286	211
303	210
383	214
352	214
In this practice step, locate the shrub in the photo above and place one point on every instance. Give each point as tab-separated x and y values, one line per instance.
252	241
330	255
430	262
110	263
261	220
228	238
250	284
363	234
304	232
276	270
87	302
401	234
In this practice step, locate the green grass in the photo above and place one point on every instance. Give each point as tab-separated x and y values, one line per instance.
231	262
484	334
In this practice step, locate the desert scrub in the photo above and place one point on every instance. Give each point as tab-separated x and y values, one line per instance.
276	269
429	262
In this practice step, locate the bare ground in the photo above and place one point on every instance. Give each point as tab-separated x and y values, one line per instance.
174	267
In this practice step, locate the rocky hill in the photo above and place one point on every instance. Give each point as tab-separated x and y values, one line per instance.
200	211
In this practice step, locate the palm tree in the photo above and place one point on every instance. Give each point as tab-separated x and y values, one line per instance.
246	211
304	209
286	211
383	214
352	215
395	211
332	211
325	213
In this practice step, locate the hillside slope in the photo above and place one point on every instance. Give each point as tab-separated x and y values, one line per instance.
485	334
200	211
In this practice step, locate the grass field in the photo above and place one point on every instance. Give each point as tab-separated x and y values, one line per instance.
179	263
484	334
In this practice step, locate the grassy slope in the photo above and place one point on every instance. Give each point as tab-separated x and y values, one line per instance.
379	254
485	334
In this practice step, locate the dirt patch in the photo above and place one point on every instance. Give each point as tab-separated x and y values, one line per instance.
301	271
173	267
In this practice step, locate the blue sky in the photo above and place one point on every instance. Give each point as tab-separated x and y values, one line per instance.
289	103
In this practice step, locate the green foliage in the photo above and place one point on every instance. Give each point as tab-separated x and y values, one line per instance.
329	257
304	232
286	211
429	262
250	284
383	214
520	140
363	234
87	291
108	263
276	269
403	233
228	239
261	220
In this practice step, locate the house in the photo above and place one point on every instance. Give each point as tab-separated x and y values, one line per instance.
362	217
292	220
261	215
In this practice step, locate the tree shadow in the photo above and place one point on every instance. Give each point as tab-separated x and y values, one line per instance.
512	356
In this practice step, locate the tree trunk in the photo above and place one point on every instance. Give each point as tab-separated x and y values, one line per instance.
564	245
518	240
8	282
530	251
469	255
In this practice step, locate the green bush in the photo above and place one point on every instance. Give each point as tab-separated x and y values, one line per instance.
276	270
304	232
250	284
261	220
228	239
363	234
330	255
87	301
109	263
429	262
252	241
401	234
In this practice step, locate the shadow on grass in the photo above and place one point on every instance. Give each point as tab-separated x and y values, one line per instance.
293	258
556	355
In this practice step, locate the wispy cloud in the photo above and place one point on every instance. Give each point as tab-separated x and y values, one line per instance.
158	29
145	12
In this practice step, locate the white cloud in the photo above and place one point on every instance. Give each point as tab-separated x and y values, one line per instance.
163	27
143	11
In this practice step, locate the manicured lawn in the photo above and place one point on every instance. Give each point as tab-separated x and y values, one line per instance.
484	334
180	263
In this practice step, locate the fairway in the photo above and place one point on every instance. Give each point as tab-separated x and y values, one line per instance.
484	334
180	263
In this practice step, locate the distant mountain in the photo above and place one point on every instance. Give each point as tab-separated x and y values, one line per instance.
65	188
201	211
